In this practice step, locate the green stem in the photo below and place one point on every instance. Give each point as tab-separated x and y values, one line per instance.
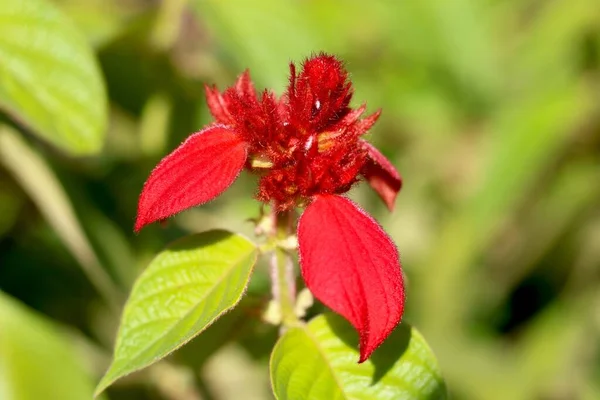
282	270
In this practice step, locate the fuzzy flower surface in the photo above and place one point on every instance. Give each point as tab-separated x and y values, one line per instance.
307	149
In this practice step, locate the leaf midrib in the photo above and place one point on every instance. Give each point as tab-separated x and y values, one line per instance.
321	351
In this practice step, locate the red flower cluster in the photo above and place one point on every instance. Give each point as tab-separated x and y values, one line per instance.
307	149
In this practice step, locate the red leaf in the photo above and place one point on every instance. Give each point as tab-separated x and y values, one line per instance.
350	264
381	175
196	172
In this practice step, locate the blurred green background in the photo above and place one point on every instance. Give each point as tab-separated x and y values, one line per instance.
491	112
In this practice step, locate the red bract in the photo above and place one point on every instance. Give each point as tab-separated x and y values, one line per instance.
358	275
307	149
197	171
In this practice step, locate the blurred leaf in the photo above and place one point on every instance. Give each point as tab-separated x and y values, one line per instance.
356	29
154	124
592	390
30	350
550	50
39	181
452	35
168	24
263	41
183	290
99	20
551	345
319	361
11	202
233	374
143	81
49	80
526	136
112	246
565	200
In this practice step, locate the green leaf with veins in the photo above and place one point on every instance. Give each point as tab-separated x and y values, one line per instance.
184	290
319	361
49	80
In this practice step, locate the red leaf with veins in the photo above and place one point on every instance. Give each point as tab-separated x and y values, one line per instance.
350	264
197	171
381	175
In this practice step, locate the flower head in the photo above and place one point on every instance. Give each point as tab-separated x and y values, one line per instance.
307	149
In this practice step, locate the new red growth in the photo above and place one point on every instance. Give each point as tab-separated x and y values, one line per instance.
307	149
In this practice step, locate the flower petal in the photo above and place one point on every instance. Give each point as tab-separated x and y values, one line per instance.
350	264
196	172
381	175
244	86
220	104
217	105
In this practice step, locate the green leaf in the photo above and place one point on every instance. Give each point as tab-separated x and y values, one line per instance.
31	349
184	290
49	80
319	361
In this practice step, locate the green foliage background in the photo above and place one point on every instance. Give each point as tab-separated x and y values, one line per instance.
491	111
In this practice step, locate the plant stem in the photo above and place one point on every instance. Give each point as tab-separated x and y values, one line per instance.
282	269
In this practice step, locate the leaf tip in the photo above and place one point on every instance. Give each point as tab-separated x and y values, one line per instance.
104	383
141	221
139	224
112	374
366	348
